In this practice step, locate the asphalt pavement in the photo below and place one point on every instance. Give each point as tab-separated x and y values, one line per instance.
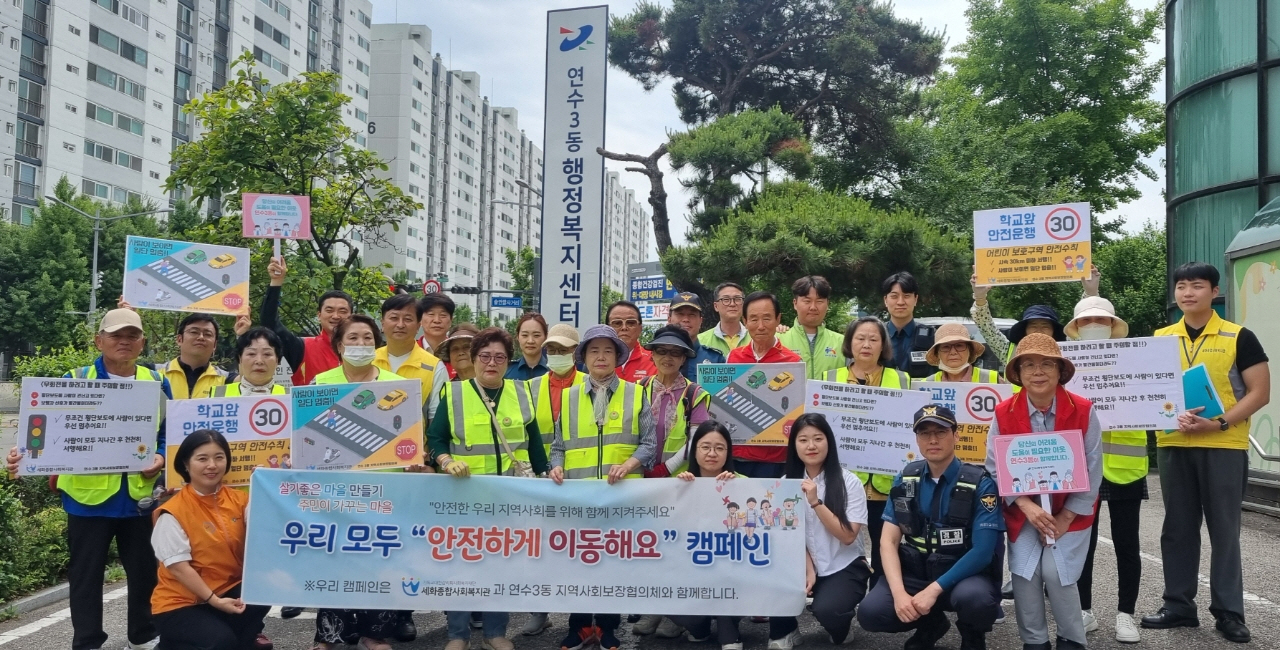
50	627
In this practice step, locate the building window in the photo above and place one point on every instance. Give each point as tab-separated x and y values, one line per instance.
362	91
112	155
271	32
362	42
112	118
362	66
108	41
267	59
125	11
364	20
360	140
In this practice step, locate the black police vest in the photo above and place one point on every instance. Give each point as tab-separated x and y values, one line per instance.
953	536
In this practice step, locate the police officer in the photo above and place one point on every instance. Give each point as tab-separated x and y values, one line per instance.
939	545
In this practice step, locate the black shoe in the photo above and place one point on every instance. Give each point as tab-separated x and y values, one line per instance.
608	641
1233	628
1166	619
1068	644
290	612
632	618
1037	646
928	632
406	631
971	639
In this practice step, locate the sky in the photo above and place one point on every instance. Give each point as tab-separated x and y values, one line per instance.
502	40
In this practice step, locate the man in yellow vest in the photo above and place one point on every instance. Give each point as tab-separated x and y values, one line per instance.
192	374
817	346
729	332
1206	459
401	315
102	508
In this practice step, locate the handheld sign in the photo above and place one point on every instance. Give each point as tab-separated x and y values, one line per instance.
1043	243
275	216
756	401
1133	383
369	425
975	408
87	426
1041	464
872	425
182	276
256	427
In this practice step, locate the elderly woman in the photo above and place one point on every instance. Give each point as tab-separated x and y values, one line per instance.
455	351
1040	567
258	352
954	353
603	407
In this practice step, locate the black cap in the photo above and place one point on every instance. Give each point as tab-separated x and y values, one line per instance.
672	335
935	413
686	299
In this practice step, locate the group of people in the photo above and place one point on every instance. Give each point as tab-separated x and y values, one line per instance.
598	404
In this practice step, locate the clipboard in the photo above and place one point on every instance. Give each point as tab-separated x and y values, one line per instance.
1198	390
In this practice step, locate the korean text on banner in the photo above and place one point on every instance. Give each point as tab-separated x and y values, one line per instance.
369	425
1133	383
182	276
275	216
87	426
1043	243
573	180
1041	463
872	425
756	401
256	427
975	408
371	540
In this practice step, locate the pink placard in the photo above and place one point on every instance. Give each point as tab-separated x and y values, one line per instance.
1050	463
276	216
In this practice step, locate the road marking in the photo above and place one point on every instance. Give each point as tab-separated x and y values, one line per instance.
63	614
1249	597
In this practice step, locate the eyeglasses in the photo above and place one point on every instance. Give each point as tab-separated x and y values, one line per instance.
1043	366
200	334
707	449
933	433
948	348
489	357
619	324
730	300
668	352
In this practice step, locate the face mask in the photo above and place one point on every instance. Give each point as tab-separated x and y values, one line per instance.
1094	332
559	363
942	365
358	355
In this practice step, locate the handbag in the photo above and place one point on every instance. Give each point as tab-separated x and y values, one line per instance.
521	468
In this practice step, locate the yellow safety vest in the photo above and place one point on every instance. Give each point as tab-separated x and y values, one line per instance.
1124	456
233	390
93	489
679	432
889	378
1216	349
211	378
591	450
473	441
979	376
540	390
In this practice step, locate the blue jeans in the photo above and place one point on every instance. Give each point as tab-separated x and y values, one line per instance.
495	624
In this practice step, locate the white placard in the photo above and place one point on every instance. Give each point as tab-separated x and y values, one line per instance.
257	428
872	425
87	426
1133	383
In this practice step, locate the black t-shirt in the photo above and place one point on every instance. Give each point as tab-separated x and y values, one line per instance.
1249	350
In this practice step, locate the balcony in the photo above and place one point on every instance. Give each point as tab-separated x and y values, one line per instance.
25	190
28	107
220	48
35	26
32	66
183	60
28	149
186	30
181	129
219	79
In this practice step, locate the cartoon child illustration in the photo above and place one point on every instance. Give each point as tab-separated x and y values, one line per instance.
1017	485
286	461
1068	262
752	517
1044	485
766	514
273	461
1079	262
1054	482
789	516
1068	481
731	522
1029	483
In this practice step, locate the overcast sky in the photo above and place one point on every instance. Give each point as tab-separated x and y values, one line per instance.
502	41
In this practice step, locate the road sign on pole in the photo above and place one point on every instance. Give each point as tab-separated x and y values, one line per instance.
499	302
430	286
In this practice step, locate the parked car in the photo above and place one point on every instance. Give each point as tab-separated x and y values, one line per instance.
988	359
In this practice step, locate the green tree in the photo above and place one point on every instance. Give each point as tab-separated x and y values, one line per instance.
290	138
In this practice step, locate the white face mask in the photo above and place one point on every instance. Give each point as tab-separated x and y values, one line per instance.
559	363
942	365
358	355
1094	332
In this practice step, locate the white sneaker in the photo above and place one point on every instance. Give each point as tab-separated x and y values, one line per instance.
693	639
536	624
668	629
731	646
1090	621
1126	629
787	642
149	645
1000	616
648	624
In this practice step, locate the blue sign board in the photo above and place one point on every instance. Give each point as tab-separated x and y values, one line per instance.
654	287
515	302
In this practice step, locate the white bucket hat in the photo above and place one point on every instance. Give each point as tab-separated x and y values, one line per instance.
1093	306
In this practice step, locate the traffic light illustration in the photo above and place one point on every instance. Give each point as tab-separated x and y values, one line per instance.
36	435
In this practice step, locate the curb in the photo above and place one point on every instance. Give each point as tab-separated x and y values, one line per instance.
39	599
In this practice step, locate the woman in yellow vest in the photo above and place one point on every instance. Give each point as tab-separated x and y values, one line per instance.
471	416
866	345
954	354
1124	484
199	539
605	432
258	353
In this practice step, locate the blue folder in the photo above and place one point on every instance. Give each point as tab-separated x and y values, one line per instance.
1198	390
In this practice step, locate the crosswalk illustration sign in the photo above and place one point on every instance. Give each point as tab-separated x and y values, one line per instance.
184	276
369	425
756	401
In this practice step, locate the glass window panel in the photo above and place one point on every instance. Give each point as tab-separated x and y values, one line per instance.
1215	135
1212	36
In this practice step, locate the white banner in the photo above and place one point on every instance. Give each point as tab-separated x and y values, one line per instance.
1133	383
975	409
872	425
87	426
573	176
256	427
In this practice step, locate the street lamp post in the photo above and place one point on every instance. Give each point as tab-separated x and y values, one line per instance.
98	219
537	269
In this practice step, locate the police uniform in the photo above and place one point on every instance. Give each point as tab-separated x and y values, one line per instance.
951	533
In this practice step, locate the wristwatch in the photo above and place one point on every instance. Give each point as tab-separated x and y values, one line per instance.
816	504
1222	423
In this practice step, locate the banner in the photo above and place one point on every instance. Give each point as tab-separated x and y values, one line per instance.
573	181
369	540
256	427
653	287
87	426
181	276
756	401
275	216
975	408
1044	243
1041	463
872	425
1133	383
369	425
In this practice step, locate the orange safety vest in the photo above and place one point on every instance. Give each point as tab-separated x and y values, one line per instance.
215	524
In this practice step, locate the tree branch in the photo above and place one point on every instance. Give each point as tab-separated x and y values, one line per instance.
649	166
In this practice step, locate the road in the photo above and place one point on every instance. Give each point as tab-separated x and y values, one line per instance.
51	628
